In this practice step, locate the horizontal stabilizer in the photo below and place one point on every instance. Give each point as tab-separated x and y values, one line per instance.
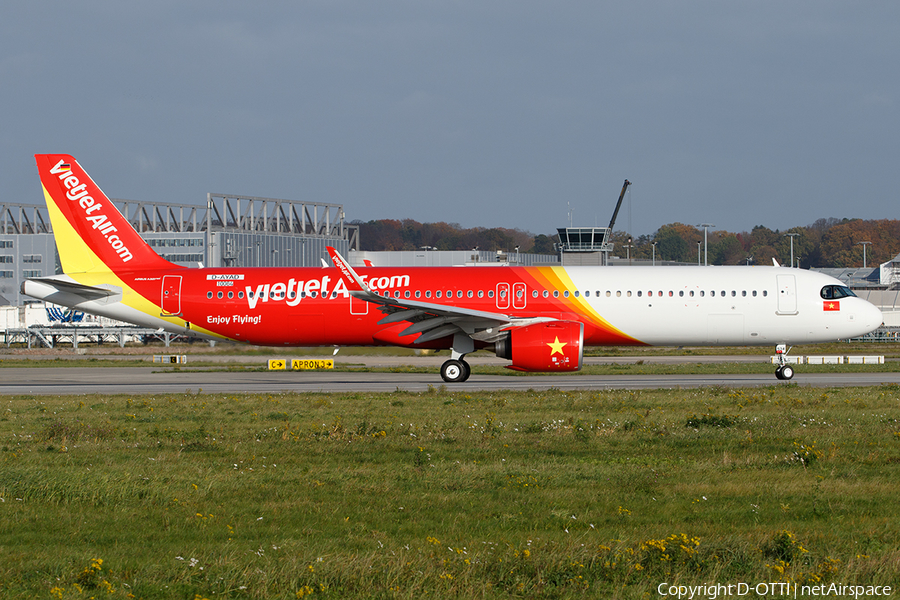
85	291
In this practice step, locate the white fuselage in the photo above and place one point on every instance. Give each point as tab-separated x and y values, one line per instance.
690	306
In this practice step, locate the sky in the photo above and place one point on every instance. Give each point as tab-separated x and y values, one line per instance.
518	114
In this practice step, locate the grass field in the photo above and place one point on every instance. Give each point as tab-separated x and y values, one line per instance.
447	495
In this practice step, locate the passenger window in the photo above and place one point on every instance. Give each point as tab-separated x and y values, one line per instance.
481	294
692	294
566	293
618	294
556	293
469	294
639	293
713	293
608	293
744	293
587	293
546	294
765	293
437	294
702	293
428	293
230	295
519	293
219	294
396	293
754	293
534	294
418	293
490	293
733	293
405	294
660	294
671	293
240	294
681	293
576	293
723	293
209	294
459	293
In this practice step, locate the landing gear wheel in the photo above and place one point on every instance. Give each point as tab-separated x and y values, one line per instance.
785	372
467	370
453	371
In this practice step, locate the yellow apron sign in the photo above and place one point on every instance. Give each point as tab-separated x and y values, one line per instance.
306	365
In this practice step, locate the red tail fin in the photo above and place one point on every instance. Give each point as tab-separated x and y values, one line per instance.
91	234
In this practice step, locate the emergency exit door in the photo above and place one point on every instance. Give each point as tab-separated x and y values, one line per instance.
171	295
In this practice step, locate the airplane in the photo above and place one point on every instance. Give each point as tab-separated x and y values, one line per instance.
538	318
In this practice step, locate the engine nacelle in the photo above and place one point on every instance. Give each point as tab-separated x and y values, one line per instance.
552	346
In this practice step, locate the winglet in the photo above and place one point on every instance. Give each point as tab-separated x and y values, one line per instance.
351	279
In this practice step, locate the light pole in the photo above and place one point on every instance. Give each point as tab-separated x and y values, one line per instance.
792	236
653	244
517	256
863	244
628	248
705	227
698	252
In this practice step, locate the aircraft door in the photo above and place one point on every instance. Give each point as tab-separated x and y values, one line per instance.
787	295
503	295
519	295
358	307
171	295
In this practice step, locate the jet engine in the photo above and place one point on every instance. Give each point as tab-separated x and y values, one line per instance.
551	346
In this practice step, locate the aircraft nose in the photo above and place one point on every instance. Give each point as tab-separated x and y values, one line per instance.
872	317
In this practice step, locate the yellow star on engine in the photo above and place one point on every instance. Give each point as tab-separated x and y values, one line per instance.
557	346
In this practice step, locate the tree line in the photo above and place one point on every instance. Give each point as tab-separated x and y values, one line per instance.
825	243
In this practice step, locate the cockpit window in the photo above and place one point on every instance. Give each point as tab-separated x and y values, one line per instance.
834	292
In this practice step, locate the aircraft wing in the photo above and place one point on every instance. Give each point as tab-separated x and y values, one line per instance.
432	321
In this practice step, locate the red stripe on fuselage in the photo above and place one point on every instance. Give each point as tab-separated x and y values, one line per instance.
271	316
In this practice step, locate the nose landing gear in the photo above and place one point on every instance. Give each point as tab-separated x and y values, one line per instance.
784	370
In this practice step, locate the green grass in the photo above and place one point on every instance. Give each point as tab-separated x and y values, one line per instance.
447	494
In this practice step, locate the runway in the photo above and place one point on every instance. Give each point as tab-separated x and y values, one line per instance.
150	380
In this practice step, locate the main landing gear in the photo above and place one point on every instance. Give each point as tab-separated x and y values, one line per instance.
457	370
784	370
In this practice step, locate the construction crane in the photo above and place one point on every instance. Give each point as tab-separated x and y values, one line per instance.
612	222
